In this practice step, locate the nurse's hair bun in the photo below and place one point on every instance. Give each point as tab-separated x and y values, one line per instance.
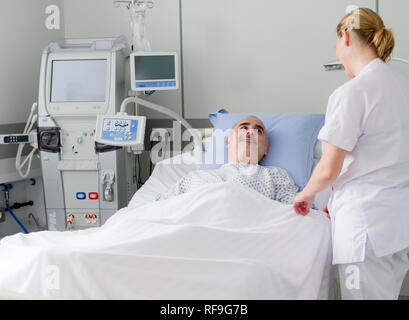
384	43
369	26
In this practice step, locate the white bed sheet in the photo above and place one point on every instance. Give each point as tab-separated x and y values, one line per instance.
165	174
249	276
194	246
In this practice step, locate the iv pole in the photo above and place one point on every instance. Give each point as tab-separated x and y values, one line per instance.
137	9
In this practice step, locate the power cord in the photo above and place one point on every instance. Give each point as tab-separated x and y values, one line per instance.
7	195
32	119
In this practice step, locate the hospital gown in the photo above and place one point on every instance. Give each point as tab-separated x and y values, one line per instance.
272	182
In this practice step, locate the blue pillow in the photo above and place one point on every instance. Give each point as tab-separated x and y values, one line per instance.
292	138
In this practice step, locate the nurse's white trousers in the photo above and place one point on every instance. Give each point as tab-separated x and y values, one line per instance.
374	278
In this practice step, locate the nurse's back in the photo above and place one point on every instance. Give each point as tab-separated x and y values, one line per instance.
370	194
379	99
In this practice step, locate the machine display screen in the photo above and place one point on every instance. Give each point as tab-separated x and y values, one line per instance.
120	129
154	67
79	80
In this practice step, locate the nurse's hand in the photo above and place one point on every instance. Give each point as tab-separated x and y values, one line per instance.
325	209
302	203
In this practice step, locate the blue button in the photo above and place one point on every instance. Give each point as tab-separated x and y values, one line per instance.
81	196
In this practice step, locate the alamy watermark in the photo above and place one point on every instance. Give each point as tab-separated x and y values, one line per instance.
52	21
352	277
52	278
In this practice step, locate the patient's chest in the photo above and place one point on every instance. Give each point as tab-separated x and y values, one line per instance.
254	177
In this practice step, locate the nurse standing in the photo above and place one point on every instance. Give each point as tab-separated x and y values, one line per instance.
366	160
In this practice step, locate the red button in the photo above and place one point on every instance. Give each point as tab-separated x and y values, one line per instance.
93	195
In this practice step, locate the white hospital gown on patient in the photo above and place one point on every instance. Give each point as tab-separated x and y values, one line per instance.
272	182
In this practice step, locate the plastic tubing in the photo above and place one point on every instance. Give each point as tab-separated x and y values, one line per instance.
6	189
29	125
15	218
163	110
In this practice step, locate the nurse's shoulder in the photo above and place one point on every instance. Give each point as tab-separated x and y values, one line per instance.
366	81
397	76
352	90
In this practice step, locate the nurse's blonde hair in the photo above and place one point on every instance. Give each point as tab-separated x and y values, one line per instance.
368	25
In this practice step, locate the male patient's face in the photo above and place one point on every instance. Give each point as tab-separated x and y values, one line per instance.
248	141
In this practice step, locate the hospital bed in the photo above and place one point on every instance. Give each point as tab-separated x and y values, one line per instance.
168	276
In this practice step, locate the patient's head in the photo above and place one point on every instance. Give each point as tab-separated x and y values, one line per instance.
247	141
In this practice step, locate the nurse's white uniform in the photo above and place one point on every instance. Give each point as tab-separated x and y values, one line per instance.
369	117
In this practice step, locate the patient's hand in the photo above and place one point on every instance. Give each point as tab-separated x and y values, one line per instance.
302	203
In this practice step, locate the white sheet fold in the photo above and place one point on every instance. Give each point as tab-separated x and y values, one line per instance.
222	241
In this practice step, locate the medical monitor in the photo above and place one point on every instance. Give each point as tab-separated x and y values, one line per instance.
79	83
154	71
78	80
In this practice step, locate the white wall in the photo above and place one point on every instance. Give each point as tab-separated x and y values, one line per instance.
99	18
395	15
260	55
266	57
24	35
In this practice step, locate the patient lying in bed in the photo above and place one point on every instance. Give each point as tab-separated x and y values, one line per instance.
247	144
179	249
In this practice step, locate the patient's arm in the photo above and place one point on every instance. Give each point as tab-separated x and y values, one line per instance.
182	186
191	181
285	188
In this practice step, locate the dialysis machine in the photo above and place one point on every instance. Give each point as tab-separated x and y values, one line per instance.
86	141
80	79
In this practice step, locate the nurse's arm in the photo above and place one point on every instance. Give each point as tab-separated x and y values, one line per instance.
327	169
325	173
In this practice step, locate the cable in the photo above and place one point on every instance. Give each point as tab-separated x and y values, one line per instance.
139	173
11	211
32	119
150	161
15	218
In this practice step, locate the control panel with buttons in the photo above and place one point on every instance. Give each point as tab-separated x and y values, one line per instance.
84	196
120	130
82	219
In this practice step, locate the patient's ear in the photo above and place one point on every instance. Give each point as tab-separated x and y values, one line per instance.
267	148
